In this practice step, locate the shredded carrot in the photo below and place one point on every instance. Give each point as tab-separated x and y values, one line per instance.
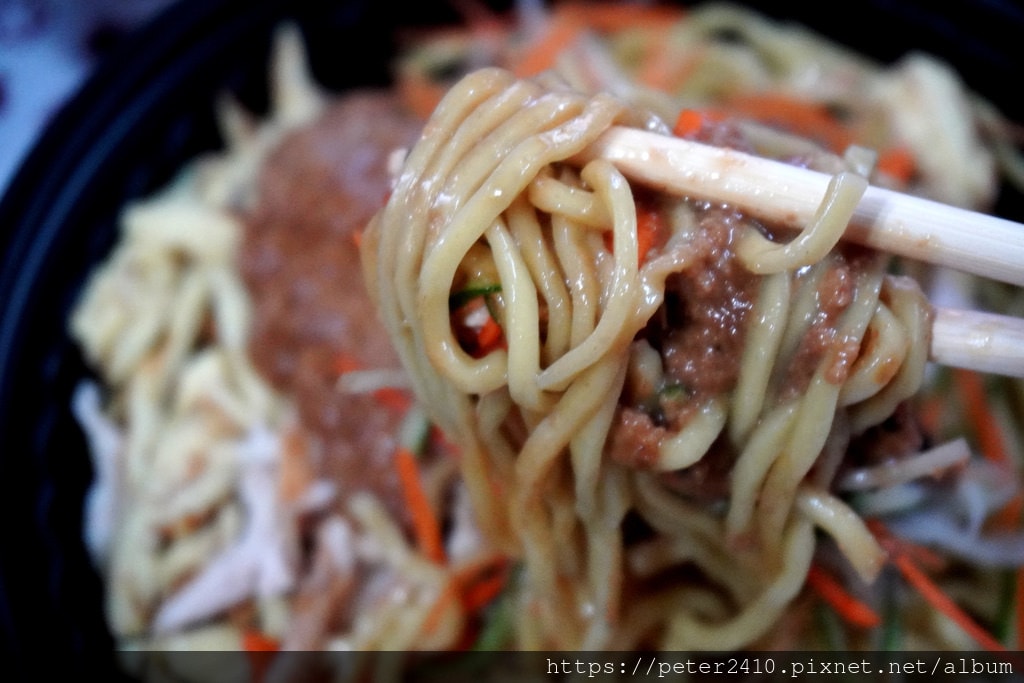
478	16
261	650
651	230
419	94
846	605
991	439
426	525
481	582
803	117
490	335
477	330
490	563
689	123
441	441
396	399
449	596
472	588
256	641
613	16
971	386
345	362
924	557
931	592
562	31
480	594
1009	516
898	163
660	68
569	20
932	414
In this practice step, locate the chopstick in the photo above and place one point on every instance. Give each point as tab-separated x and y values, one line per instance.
976	340
885	220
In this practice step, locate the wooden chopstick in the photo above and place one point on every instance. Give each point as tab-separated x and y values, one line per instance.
976	340
889	221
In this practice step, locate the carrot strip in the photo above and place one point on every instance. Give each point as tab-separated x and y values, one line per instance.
449	596
468	572
932	414
660	69
261	649
688	123
441	442
426	525
925	557
419	94
931	592
613	16
390	397
482	581
477	330
563	30
345	362
490	335
804	117
971	386
848	607
651	230
991	439
898	163
256	641
472	587
481	593
396	399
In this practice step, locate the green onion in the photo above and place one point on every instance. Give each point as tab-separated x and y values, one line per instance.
414	431
460	298
1004	617
892	629
497	629
832	632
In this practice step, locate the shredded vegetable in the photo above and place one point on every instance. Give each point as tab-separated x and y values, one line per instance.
919	579
426	525
851	609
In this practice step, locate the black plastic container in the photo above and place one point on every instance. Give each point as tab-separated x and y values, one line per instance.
149	109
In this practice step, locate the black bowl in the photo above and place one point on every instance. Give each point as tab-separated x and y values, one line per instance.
146	111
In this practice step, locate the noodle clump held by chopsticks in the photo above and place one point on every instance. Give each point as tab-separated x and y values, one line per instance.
673	387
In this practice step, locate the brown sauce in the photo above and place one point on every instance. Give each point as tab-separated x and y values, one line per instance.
704	339
700	333
312	315
823	339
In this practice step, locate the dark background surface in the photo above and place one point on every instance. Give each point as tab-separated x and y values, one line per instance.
147	110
